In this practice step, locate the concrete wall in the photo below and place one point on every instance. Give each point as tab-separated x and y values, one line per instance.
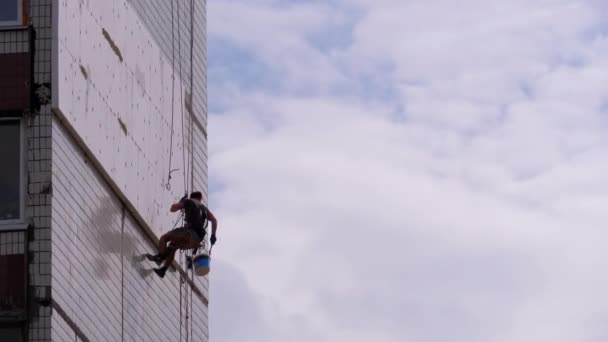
100	279
115	88
155	16
39	192
37	174
114	101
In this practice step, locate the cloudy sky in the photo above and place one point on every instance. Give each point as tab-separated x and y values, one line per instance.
409	170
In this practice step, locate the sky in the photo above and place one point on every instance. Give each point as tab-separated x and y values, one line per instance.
400	170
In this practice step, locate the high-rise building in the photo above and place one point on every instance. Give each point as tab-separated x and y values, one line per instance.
103	116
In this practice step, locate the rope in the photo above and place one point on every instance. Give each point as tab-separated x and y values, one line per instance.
181	216
181	282
191	149
191	307
168	185
191	294
181	93
189	165
191	114
191	93
191	52
187	310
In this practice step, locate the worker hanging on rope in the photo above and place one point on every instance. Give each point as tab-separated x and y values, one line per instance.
190	236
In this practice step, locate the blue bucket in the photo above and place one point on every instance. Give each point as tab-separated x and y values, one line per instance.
202	264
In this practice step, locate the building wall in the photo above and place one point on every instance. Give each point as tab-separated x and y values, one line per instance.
97	161
115	88
101	280
15	75
114	77
114	105
155	16
25	54
39	174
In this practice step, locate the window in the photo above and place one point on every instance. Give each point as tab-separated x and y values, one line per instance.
15	76
11	333
13	275
11	12
11	172
13	285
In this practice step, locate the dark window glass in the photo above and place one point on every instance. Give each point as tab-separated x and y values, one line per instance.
10	334
9	10
10	172
12	283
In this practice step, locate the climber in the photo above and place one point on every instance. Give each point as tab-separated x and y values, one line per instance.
188	237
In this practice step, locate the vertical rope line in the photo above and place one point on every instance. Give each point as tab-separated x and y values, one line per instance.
172	95
181	94
191	93
192	11
186	302
191	148
191	294
181	281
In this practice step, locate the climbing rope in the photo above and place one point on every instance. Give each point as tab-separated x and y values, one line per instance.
187	163
181	94
168	185
181	282
191	308
191	93
187	310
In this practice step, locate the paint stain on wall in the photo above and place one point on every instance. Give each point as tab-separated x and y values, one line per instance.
188	103
84	72
112	44
123	126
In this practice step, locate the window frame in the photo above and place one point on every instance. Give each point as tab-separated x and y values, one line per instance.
20	222
20	16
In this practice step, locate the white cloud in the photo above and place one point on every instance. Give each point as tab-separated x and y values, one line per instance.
462	200
278	35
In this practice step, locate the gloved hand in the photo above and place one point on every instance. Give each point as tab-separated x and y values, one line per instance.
213	239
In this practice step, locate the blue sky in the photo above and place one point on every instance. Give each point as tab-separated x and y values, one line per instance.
396	170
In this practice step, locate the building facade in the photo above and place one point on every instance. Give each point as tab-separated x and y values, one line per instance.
103	116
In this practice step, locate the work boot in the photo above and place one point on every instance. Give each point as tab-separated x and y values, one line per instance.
158	259
161	271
